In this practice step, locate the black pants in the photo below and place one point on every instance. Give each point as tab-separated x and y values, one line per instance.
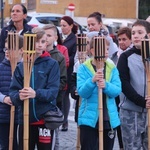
4	136
89	139
38	135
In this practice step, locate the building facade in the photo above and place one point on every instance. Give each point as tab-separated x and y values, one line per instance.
110	8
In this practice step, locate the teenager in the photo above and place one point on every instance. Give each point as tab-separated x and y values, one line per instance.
42	94
134	99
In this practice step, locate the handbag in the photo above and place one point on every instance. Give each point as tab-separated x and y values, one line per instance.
53	119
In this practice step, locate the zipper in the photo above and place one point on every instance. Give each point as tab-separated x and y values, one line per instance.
33	100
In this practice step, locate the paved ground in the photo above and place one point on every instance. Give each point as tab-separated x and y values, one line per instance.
68	139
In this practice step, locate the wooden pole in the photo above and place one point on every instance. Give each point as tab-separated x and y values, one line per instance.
99	45
28	61
81	49
145	51
13	47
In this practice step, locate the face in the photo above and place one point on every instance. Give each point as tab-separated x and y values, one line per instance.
93	24
51	37
123	41
106	51
12	54
65	27
17	14
138	33
41	45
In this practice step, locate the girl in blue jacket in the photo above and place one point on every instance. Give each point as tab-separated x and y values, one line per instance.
89	79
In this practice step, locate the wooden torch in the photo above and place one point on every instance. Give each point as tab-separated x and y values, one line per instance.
13	47
99	46
28	61
81	50
145	52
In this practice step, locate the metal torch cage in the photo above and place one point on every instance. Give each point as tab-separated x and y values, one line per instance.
81	47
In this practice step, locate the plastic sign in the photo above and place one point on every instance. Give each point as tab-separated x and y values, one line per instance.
71	7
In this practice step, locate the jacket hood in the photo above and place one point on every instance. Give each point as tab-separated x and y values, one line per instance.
54	51
45	56
137	51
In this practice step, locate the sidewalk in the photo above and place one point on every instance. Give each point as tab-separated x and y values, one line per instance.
68	139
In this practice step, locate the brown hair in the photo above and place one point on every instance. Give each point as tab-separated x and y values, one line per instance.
70	21
144	23
97	16
126	31
39	32
20	41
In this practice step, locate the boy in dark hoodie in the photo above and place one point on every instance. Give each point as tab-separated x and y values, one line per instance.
42	93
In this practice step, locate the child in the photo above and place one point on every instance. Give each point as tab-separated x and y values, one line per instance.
133	100
5	102
88	81
42	94
51	33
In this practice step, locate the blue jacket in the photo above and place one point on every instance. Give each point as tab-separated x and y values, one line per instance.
88	91
45	80
5	79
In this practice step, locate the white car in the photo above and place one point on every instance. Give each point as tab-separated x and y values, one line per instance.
40	19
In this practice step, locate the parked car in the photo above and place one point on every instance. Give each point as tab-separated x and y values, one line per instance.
41	19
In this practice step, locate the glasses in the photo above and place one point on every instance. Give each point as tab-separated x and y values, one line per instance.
5	49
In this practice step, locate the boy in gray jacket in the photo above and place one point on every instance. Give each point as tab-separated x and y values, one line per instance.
133	113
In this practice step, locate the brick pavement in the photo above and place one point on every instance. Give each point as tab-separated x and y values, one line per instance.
68	139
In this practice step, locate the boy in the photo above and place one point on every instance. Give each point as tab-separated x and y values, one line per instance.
42	94
5	102
133	99
52	37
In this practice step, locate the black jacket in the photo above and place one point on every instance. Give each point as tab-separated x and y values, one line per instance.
70	43
4	35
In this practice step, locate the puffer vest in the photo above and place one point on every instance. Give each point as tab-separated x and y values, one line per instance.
5	79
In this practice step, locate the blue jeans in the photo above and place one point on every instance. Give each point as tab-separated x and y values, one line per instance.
4	136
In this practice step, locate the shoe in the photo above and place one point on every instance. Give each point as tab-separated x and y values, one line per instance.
64	127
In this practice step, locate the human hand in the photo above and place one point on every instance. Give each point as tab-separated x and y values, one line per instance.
98	75
101	83
7	101
27	93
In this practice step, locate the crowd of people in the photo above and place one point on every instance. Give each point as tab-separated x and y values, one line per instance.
57	74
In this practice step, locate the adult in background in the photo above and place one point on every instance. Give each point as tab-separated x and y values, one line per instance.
18	23
69	29
94	23
124	43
